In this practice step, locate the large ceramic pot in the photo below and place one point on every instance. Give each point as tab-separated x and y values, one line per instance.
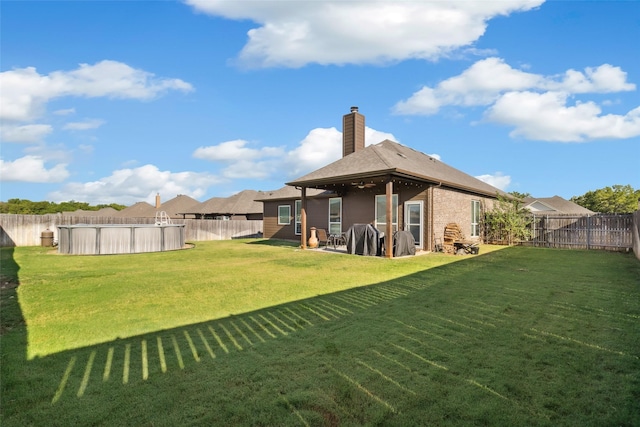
313	240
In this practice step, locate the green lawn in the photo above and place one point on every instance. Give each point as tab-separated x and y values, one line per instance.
260	333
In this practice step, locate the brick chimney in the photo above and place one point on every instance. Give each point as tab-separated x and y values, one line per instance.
158	204
352	132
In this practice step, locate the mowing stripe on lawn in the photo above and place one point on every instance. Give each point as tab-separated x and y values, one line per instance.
392	360
282	322
391	380
107	365
192	346
338	309
177	350
323	310
246	338
425	344
248	326
145	361
220	343
206	344
364	389
163	362
291	319
597	311
63	381
594	346
268	332
295	411
315	312
453	322
480	322
87	374
350	301
423	331
273	325
233	340
125	365
484	387
298	316
430	362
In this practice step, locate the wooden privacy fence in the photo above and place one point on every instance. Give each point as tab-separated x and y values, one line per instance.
26	230
608	232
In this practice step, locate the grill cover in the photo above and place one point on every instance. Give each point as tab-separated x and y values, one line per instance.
363	239
403	243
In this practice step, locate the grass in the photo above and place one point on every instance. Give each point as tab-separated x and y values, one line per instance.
259	333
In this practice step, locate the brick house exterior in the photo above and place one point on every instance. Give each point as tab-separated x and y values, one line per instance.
388	185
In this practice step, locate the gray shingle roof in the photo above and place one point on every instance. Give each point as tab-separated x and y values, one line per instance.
388	157
138	210
108	211
241	203
179	204
289	192
555	204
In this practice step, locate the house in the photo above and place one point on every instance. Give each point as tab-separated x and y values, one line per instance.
240	206
555	205
174	208
106	212
137	210
387	185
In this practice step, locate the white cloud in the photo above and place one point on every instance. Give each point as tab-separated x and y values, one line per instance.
32	169
547	117
498	180
65	112
357	32
320	147
26	133
603	79
536	105
129	186
235	150
85	125
25	92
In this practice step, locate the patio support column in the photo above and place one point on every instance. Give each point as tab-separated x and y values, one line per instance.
303	219
388	234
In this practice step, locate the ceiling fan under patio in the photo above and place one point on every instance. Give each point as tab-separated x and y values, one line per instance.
362	184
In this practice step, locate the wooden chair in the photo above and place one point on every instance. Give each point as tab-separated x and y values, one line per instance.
322	237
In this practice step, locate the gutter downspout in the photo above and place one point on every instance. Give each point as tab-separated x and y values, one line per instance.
430	206
303	219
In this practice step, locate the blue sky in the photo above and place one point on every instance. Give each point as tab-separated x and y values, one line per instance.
113	102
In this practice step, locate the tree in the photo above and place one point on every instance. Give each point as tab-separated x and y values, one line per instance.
614	199
27	207
508	221
519	195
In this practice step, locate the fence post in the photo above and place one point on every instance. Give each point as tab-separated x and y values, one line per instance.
588	232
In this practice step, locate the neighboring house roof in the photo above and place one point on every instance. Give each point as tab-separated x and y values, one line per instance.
243	202
390	158
555	204
138	210
179	204
108	211
288	192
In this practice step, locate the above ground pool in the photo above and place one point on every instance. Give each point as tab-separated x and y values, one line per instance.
108	239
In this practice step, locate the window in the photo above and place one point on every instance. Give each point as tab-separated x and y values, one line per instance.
284	215
335	215
381	212
475	218
298	215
